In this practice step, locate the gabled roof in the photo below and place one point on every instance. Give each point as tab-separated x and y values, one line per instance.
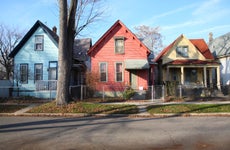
198	43
38	23
220	46
106	34
201	45
80	49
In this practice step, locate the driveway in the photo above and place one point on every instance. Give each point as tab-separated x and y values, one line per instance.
114	133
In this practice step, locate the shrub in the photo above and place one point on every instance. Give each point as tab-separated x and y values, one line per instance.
128	93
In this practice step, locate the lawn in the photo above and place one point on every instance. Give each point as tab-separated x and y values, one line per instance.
85	107
11	108
189	108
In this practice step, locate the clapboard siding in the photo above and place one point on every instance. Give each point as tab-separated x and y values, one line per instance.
104	51
27	55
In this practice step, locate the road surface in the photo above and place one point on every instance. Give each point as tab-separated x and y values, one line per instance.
40	133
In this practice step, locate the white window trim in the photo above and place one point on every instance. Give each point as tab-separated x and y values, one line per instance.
106	68
115	71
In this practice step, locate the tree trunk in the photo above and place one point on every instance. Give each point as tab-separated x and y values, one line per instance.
66	42
63	82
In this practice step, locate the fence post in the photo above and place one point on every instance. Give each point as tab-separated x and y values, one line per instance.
152	93
81	92
180	87
103	93
163	92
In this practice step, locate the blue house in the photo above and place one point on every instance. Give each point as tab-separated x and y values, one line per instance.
36	62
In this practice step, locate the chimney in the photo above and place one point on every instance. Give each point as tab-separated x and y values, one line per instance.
210	37
55	29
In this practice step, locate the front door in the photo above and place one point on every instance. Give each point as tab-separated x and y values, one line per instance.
133	79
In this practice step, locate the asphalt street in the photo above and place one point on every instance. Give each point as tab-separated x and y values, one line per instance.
57	133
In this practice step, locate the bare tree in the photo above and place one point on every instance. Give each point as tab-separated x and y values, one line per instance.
150	36
73	20
9	38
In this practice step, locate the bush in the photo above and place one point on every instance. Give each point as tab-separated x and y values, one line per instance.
128	93
171	87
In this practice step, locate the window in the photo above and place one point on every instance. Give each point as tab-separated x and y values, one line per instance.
119	45
182	51
38	73
24	73
190	75
103	72
38	42
53	70
119	75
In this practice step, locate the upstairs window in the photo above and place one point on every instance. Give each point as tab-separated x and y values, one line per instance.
39	42
182	51
24	73
119	76
119	45
38	73
103	72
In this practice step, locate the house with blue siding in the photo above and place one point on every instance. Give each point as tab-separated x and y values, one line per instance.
36	63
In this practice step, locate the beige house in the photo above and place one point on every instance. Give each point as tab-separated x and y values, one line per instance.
188	61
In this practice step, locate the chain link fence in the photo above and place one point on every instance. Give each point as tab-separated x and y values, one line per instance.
47	90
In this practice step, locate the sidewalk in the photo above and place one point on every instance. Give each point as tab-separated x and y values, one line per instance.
142	106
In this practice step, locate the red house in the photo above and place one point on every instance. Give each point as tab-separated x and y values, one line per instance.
120	59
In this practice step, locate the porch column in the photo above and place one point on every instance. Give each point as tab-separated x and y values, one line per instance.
205	76
182	75
218	77
210	76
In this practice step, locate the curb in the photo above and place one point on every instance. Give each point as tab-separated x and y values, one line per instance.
141	115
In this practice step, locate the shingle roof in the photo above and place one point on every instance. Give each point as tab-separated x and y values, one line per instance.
220	46
81	47
192	62
198	43
38	23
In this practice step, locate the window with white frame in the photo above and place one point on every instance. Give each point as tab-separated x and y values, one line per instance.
119	45
119	72
24	73
53	70
182	51
103	71
38	71
39	42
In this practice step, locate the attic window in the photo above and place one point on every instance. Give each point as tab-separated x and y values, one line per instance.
182	51
119	45
39	42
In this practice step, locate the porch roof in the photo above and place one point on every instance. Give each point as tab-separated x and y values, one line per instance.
136	64
192	62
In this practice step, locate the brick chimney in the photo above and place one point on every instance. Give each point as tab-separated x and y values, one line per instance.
54	29
210	37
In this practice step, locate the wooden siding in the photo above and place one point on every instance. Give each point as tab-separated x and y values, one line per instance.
28	55
193	52
105	52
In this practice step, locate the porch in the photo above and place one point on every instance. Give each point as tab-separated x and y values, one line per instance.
193	76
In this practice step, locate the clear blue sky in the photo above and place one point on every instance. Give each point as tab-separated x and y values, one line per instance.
193	18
